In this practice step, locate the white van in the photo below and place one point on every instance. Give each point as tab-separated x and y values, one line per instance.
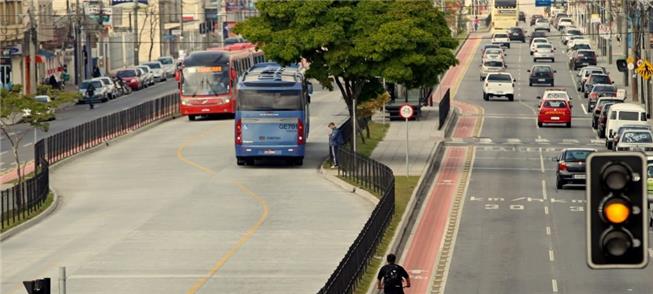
623	114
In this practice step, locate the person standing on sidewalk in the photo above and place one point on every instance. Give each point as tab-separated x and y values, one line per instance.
335	140
391	277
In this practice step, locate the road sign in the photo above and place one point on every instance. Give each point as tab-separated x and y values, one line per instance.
406	111
639	63
645	69
631	66
630	59
621	93
542	3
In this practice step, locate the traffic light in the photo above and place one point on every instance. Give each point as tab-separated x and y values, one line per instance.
617	210
622	65
41	286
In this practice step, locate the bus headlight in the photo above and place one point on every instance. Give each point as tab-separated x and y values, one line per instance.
185	102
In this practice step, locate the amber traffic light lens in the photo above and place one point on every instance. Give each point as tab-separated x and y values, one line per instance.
616	212
616	177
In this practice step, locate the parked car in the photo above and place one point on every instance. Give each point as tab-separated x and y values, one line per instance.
168	64
600	90
517	34
107	82
618	134
101	92
541	74
571	166
582	58
598	107
501	39
623	114
603	119
544	51
148	76
49	112
554	111
492	65
234	40
635	140
595	79
584	73
131	77
499	85
156	68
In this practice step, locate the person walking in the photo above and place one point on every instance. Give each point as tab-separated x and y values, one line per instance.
391	277
476	23
96	72
335	140
90	92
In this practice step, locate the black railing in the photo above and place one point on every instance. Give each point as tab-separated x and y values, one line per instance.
444	107
19	201
375	177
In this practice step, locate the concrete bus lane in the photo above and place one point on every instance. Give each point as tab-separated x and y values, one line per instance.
517	233
78	114
169	211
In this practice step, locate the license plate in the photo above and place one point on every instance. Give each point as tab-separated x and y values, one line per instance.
540	80
579	177
555	118
585	63
269	152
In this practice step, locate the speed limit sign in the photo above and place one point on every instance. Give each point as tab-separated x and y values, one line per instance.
406	111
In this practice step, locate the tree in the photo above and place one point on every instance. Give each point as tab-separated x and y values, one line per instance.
14	106
353	43
153	11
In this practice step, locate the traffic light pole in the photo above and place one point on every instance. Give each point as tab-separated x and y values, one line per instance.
137	43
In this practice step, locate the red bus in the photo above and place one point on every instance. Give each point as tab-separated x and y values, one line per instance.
207	79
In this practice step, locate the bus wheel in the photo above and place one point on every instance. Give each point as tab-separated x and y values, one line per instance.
191	117
240	161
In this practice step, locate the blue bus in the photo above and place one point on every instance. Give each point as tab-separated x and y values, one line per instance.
272	114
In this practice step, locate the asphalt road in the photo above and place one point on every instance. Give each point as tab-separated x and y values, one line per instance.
518	234
75	115
169	211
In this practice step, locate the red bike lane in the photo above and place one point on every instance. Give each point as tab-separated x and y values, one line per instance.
421	254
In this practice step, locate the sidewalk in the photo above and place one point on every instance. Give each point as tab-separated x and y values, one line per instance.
423	134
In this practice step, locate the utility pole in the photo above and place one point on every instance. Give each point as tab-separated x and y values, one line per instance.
635	37
181	25
33	46
609	15
624	35
137	43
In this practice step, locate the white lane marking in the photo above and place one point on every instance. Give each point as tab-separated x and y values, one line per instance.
569	141
650	252
513	141
551	255
597	141
554	285
584	109
544	195
548	231
546	210
542	166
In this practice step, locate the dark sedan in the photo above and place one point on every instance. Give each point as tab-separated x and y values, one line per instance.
571	166
582	58
599	107
595	79
517	34
603	118
541	74
599	91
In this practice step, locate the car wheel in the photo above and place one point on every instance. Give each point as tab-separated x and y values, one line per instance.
511	97
559	184
553	60
553	84
481	78
486	97
531	53
240	161
192	118
568	125
593	124
530	83
539	124
534	60
609	145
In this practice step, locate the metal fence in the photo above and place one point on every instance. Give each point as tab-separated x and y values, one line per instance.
444	107
376	177
19	201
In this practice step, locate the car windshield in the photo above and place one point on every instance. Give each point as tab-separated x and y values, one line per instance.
539	34
577	155
500	36
604	88
166	60
154	65
637	137
600	79
516	30
269	100
205	80
607	101
540	41
126	74
574	32
555	104
493	51
547	46
556	95
499	78
540	69
145	68
586	54
493	63
581	46
594	71
96	84
650	170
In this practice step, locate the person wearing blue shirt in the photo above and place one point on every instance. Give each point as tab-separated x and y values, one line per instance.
335	140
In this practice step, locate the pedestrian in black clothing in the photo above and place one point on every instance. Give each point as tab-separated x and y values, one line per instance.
391	277
335	140
96	72
90	92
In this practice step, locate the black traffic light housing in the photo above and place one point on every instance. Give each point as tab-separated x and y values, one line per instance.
622	65
41	286
617	210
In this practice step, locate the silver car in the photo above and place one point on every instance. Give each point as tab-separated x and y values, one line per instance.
147	76
157	70
168	64
635	140
492	65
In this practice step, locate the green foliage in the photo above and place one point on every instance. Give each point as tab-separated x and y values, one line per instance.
353	43
13	107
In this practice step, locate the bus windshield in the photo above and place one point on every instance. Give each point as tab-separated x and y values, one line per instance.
255	100
205	80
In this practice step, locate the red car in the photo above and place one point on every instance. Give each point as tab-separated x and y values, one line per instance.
131	77
554	111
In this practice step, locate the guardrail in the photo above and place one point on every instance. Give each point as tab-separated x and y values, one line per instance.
375	177
19	201
443	108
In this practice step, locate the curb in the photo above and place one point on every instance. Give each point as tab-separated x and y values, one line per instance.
347	187
35	220
55	202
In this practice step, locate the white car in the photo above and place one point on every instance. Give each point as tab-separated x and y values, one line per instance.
570	32
536	41
573	40
542	24
500	84
148	77
544	51
501	39
168	64
493	53
623	114
555	93
564	22
157	70
635	140
492	65
107	82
